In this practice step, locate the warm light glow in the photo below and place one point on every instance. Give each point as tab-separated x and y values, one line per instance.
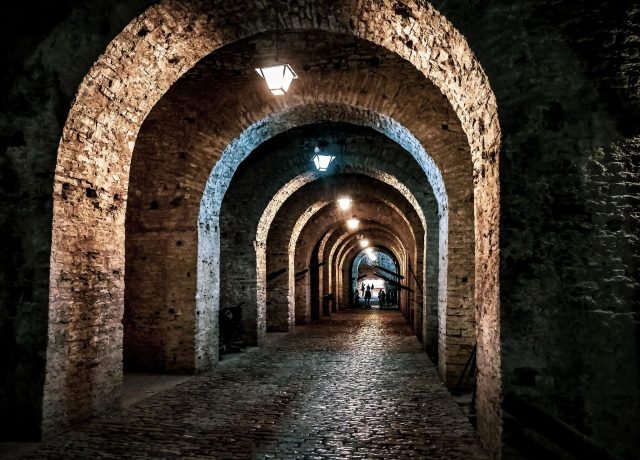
364	243
344	203
321	160
278	77
353	223
371	254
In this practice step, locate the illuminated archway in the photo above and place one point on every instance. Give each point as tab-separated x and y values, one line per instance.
95	151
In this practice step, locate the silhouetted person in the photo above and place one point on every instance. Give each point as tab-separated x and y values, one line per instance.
367	298
381	297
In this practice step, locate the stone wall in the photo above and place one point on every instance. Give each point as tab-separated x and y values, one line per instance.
47	50
566	79
289	217
271	174
566	76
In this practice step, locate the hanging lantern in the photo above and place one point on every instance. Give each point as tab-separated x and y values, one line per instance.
344	203
371	254
321	160
353	223
278	77
364	243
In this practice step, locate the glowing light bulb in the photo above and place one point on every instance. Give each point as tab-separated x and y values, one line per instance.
353	223
321	160
344	203
371	254
278	78
364	243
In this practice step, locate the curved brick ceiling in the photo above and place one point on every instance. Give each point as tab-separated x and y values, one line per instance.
149	55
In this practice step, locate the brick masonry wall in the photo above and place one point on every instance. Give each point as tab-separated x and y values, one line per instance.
567	85
155	139
277	168
288	218
527	49
47	50
131	92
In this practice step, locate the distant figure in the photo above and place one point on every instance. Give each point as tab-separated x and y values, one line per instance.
367	298
381	297
362	288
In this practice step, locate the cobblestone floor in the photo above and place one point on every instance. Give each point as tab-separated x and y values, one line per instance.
356	386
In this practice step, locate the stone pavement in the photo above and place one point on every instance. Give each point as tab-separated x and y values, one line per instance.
356	386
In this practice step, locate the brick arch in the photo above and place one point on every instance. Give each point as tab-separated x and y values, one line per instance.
240	148
381	234
350	244
273	239
313	231
256	136
259	149
335	252
382	243
353	266
91	176
355	263
350	247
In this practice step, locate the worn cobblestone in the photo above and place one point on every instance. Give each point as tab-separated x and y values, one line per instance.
356	385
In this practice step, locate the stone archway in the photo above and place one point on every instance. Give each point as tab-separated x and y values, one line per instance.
349	246
310	229
84	354
238	150
272	248
390	263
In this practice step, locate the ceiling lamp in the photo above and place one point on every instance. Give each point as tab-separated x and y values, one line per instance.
344	203
371	254
353	223
321	160
364	243
278	77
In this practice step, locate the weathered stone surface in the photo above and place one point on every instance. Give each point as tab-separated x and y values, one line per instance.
276	173
566	81
355	386
174	48
566	78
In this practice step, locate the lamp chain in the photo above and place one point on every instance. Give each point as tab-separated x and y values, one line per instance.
277	2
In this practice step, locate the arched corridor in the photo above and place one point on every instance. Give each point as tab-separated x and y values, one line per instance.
324	217
356	385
